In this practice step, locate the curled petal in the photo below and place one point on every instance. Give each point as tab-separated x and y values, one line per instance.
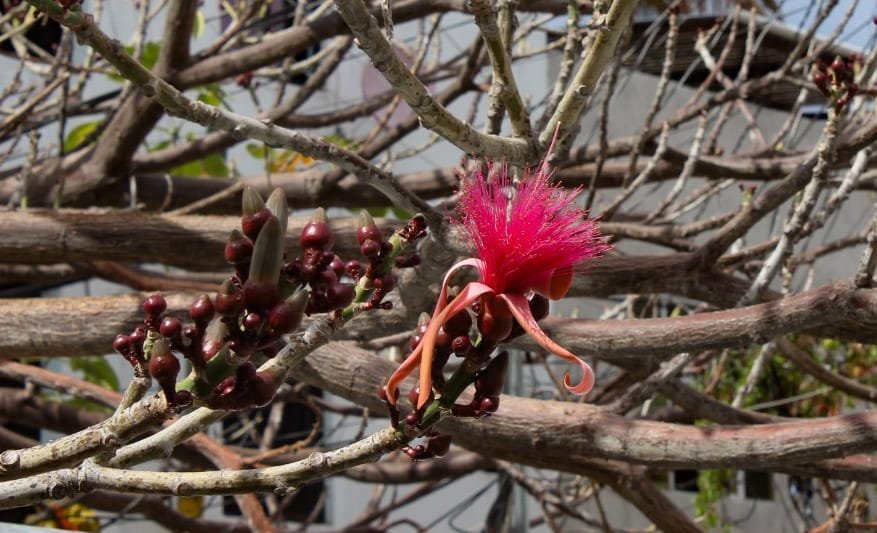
443	295
469	294
413	360
404	370
520	308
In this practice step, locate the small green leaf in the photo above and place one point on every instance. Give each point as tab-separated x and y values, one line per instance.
79	135
214	165
95	369
198	26
256	150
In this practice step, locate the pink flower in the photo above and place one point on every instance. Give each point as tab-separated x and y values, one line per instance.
528	239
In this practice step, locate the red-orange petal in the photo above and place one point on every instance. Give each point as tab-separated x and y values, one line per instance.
520	308
470	293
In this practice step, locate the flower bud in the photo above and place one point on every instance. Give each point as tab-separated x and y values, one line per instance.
201	310
263	387
229	301
252	225
155	305
252	321
370	248
286	316
340	295
459	324
317	234
368	230
121	343
260	296
439	445
171	328
337	266
164	367
461	345
238	249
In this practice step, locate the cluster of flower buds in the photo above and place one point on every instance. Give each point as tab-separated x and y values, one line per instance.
266	298
149	348
319	268
837	80
488	386
437	445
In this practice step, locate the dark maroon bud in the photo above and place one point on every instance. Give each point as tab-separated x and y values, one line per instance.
171	327
415	452
138	336
328	277
489	381
252	224
229	301
853	88
263	387
238	249
155	305
121	343
183	398
459	324
370	248
368	230
271	349
489	404
252	321
820	78
412	419
874	20
260	295
337	266
286	316
838	66
461	345
340	295
385	282
201	310
407	261
245	372
539	306
413	394
439	445
317	234
463	410
354	268
164	367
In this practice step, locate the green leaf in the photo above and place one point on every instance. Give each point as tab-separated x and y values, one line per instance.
79	135
214	165
95	369
212	94
198	26
256	150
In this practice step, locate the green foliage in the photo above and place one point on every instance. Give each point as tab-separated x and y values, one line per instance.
712	486
95	369
148	57
80	135
278	159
